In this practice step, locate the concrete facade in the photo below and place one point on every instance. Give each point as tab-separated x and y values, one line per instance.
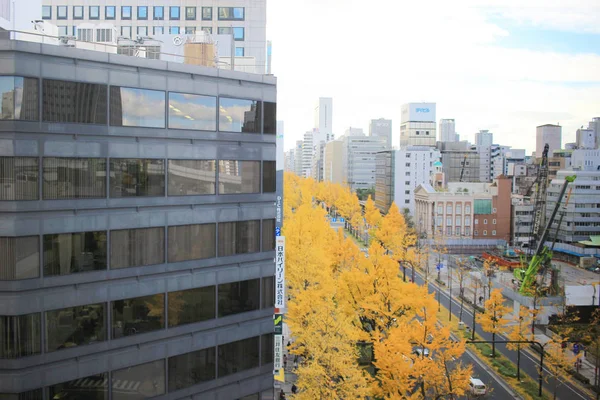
448	131
359	160
418	125
413	166
551	134
382	128
333	168
484	138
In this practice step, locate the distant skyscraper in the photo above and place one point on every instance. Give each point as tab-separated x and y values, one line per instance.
484	138
307	154
595	126
448	131
323	119
382	128
549	133
298	157
417	125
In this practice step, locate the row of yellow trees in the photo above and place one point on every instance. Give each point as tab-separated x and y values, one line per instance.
344	304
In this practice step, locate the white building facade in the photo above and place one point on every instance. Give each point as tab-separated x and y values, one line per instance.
413	166
382	128
359	160
551	134
307	154
448	131
418	125
484	138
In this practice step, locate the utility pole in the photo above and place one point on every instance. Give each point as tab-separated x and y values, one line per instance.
450	290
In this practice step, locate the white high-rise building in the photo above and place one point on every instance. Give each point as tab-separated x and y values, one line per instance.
324	119
595	126
298	157
413	166
551	134
418	125
448	131
484	138
307	154
359	159
585	138
383	128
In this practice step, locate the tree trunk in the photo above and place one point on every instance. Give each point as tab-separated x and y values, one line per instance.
519	362
462	302
493	345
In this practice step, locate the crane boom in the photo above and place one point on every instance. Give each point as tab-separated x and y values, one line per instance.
462	171
539	210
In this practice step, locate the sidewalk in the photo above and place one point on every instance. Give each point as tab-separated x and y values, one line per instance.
290	376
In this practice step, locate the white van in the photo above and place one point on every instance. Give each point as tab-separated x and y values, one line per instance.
477	387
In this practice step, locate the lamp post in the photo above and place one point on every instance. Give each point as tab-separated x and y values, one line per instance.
450	290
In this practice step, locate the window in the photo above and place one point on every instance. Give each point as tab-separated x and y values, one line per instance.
458	221
269	177
483	206
137	247
238	115
159	12
192	177
137	177
193	305
70	253
19	178
440	208
493	233
46	12
449	230
468	208
207	14
19	98
266	349
191	242
270	117
190	30
207	29
75	326
268	235
20	335
238	356
74	178
77	12
407	192
407	164
448	221
238	297
19	258
407	183
192	368
35	394
174	12
158	30
467	231
96	387
457	231
238	32
94	12
126	31
138	315
62	12
407	173
438	221
174	30
407	201
110	12
485	221
475	232
476	221
448	208
142	12
268	292
458	208
149	376
190	13
239	237
467	220
239	52
137	107
126	12
231	13
237	177
74	102
142	31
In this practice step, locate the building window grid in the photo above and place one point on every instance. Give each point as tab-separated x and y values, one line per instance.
158	13
62	12
126	12
94	12
174	13
142	12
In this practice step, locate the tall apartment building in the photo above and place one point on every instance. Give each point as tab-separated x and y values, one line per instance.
333	168
244	20
558	160
417	125
290	160
382	128
551	134
484	138
585	138
130	267
358	160
595	126
461	159
298	157
448	131
324	119
307	154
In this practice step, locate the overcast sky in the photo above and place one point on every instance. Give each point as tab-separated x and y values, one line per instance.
489	64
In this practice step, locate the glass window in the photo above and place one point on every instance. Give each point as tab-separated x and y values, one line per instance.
137	177
137	107
269	177
207	14
77	12
94	12
158	30
110	12
126	31
63	30
192	177
239	176
19	258
467	208
142	31
126	12
268	292
70	253
94	387
64	101
231	13
190	13
238	356
458	208
448	208
18	178
270	117
239	297
266	349
174	12
239	52
137	247
189	306
73	178
191	242
238	115
149	381
46	12
62	12
238	32
268	235
36	394
190	30
192	111
19	98
138	315
239	237
20	335
159	12
207	29
192	368
75	326
142	12
174	30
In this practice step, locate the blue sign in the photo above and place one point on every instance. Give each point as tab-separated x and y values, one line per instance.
422	110
342	220
333	219
277	231
439	266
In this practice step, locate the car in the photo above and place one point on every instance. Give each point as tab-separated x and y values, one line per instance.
477	387
421	351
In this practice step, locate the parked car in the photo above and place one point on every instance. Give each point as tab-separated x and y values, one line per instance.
421	351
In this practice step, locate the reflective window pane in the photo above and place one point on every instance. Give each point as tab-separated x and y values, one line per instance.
207	13
237	177
190	13
19	98
78	102
20	336
19	258
94	387
74	178
270	117
191	242
231	13
238	356
18	178
268	234
269	177
142	12
36	394
192	111
266	349
138	315
193	305
238	297
174	12
192	368
268	292
238	115
137	247
192	177
75	326
137	107
239	237
70	253
149	381
137	177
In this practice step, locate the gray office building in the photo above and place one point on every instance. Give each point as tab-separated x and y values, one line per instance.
382	128
136	228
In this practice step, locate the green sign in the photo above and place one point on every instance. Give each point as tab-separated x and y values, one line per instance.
278	320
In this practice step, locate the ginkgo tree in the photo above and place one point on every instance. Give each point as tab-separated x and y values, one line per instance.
494	319
519	332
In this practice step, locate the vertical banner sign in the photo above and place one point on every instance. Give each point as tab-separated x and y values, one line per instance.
280	272
278	322
278	354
